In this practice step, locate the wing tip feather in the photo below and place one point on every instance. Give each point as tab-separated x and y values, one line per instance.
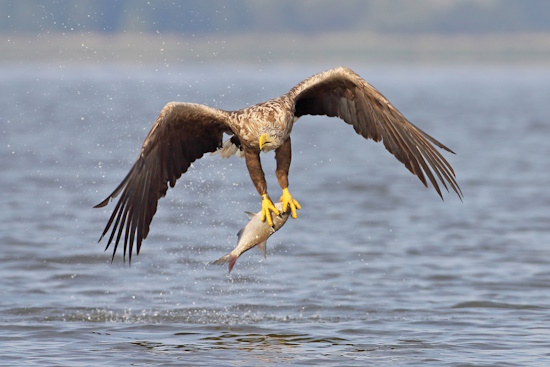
103	203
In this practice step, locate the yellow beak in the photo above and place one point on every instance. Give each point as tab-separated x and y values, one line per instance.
264	138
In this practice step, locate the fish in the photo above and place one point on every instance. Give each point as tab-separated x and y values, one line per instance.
255	233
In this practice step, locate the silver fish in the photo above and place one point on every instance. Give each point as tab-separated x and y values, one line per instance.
254	233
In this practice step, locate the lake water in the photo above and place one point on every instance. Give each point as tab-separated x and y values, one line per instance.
376	270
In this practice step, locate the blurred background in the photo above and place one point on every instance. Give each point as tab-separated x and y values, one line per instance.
261	32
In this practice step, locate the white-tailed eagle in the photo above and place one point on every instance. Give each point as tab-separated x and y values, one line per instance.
184	132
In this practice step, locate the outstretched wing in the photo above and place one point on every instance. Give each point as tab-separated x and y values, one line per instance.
342	93
182	133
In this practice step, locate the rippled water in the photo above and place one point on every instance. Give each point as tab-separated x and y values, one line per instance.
376	270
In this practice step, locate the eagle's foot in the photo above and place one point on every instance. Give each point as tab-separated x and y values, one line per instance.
287	201
267	208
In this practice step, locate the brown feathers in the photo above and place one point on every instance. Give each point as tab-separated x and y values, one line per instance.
183	132
342	93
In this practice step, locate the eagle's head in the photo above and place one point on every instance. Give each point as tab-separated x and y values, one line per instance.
270	140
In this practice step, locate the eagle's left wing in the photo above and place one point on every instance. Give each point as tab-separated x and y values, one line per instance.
342	93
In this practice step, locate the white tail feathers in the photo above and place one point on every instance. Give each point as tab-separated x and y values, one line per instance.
228	149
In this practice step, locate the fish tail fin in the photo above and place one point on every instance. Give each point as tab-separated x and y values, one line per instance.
232	259
232	262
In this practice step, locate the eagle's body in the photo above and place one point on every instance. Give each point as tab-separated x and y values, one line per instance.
184	132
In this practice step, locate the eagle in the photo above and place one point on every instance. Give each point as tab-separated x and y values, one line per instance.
184	132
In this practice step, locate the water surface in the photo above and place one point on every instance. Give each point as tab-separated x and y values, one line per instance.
376	270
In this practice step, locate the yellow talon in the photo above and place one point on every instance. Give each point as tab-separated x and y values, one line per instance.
267	208
287	201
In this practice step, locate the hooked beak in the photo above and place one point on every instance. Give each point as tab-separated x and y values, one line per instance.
264	139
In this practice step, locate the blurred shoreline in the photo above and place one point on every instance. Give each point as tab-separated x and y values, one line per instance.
277	48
